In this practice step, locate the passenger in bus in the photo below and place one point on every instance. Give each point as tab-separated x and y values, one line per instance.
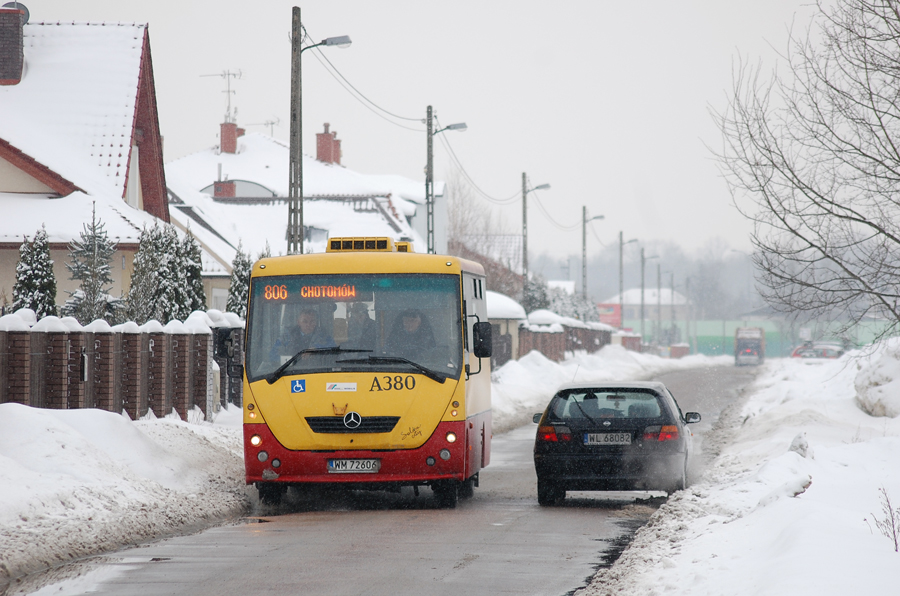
361	329
410	334
307	334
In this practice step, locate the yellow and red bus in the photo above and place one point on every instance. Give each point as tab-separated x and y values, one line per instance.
389	387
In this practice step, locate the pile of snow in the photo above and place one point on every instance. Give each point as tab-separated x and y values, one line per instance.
523	387
791	505
78	482
878	385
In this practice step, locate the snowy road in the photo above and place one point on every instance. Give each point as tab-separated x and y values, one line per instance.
499	542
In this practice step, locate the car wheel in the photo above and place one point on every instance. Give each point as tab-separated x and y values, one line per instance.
681	482
549	493
446	493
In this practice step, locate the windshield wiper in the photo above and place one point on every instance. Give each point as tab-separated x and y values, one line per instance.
279	372
434	376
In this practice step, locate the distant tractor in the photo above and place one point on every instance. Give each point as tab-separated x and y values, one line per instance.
749	346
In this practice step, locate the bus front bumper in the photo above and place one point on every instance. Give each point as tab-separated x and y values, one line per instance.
399	466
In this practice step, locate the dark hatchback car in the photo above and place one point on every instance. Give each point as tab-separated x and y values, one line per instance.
616	436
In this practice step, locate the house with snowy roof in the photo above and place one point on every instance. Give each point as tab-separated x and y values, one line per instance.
237	193
78	131
659	303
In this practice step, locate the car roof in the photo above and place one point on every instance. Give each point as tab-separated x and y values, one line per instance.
602	386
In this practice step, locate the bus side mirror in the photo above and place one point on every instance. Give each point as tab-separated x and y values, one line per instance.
481	335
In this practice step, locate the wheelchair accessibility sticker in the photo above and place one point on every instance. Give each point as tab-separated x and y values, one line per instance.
298	386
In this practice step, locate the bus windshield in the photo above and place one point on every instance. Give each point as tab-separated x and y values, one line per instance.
354	322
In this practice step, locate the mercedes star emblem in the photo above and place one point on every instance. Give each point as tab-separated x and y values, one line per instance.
352	420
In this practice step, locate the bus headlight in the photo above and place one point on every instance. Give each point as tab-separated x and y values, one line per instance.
445	454
255	440
262	456
451	438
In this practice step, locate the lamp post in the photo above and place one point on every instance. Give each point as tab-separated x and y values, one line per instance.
622	244
584	222
658	304
525	191
429	173
643	265
295	168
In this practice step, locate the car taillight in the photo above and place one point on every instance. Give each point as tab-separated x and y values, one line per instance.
661	433
553	434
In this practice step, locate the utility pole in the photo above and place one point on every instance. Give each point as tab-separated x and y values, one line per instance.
295	184
524	231
584	222
672	302
658	304
429	180
584	252
622	244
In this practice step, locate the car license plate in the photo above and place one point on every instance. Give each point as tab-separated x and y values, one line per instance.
607	438
354	466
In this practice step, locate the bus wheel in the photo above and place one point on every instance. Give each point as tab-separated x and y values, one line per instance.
446	493
467	488
269	493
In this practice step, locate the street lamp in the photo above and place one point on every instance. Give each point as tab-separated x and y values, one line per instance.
643	265
622	279
429	174
584	222
295	168
525	191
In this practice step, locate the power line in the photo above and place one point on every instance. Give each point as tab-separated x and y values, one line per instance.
336	74
446	142
549	217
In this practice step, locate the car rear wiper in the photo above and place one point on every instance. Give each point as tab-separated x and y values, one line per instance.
279	372
391	359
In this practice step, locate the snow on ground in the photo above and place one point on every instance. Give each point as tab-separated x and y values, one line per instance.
79	482
791	505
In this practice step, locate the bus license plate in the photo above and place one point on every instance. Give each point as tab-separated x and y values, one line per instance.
607	439
354	466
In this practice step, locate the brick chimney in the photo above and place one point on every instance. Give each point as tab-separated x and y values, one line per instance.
12	54
228	136
328	147
224	189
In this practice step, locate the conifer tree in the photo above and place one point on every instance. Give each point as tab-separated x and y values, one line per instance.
193	271
171	293
239	290
89	264
140	304
35	286
535	294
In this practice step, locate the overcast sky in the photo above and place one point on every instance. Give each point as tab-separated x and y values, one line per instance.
606	101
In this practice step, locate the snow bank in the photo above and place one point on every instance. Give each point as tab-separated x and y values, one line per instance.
523	387
77	482
878	384
787	507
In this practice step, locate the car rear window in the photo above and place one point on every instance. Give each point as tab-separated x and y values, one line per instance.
605	404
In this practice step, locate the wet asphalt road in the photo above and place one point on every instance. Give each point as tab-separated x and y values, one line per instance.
346	543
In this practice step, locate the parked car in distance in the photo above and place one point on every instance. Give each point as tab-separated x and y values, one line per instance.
611	436
818	350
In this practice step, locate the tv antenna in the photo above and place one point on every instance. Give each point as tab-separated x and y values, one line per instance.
228	75
270	123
